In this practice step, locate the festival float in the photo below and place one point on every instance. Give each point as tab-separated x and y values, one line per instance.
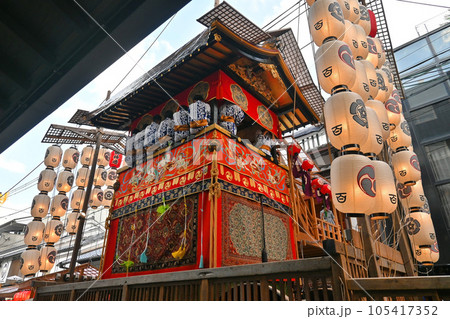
225	184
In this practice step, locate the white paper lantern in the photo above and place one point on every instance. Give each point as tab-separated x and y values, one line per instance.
100	176
420	229
406	167
60	204
396	96
29	262
380	51
96	197
53	231
72	223
372	55
390	79
434	252
47	258
353	184
351	37
82	176
65	181
383	90
412	196
46	181
346	120
371	77
374	142
34	233
325	20
386	198
108	195
361	85
393	112
70	158
400	136
77	199
40	205
53	156
427	256
379	108
335	65
364	20
363	48
350	9
112	177
104	155
422	255
87	155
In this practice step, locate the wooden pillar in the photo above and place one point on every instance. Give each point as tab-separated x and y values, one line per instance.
369	247
204	290
405	251
125	292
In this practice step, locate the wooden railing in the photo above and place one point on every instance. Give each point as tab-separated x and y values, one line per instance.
307	279
401	288
327	230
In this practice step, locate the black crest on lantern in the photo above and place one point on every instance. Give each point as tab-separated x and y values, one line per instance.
414	161
366	87
345	54
328	71
405	128
391	104
393	198
366	180
337	130
412	226
336	11
341	197
364	13
318	25
358	110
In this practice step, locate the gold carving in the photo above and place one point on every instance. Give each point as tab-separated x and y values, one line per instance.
264	117
238	96
254	79
201	88
217	37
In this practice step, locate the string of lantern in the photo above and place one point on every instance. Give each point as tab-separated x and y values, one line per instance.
363	111
36	231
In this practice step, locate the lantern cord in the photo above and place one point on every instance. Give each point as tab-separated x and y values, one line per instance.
22	179
139	60
425	4
275	22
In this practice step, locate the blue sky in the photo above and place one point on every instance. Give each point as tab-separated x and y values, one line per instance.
19	159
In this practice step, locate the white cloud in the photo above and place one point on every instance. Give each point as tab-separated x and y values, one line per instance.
12	165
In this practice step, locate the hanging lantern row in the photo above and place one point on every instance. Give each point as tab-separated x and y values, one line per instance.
364	110
34	260
36	230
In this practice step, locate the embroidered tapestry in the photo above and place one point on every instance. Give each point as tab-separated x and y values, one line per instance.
164	236
242	232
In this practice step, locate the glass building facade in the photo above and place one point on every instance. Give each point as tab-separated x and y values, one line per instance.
424	68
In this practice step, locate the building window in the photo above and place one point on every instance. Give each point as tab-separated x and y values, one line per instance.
439	157
444	192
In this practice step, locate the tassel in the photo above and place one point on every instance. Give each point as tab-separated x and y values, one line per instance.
143	258
200	265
